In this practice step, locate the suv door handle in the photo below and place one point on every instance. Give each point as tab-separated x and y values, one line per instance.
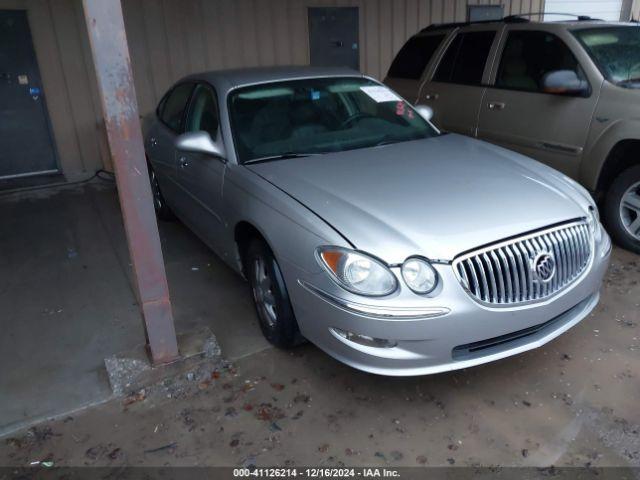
497	105
182	162
431	96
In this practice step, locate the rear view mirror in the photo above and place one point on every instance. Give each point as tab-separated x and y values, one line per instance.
564	82
199	142
425	112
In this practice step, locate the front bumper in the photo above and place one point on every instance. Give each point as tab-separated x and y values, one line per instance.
447	332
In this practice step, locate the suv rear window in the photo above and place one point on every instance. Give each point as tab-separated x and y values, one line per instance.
414	56
465	59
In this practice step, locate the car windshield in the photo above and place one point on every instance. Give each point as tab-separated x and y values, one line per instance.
616	51
313	116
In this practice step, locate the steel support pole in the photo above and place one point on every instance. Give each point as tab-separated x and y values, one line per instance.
108	39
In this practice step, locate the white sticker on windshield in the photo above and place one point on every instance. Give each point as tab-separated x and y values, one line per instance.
381	94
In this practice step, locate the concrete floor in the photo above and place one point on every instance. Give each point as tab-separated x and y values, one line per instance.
67	300
573	402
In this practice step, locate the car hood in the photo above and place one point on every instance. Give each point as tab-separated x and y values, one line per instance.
435	197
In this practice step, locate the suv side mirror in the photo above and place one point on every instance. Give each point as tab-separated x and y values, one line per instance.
199	142
564	82
425	112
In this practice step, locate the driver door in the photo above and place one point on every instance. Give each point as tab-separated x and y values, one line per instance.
200	176
517	114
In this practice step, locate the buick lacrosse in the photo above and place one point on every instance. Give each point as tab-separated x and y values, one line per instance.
394	247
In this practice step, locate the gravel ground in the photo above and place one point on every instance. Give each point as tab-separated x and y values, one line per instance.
573	402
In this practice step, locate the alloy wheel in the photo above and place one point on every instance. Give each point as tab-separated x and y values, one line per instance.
263	292
630	210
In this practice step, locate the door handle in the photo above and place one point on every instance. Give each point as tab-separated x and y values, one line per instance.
497	105
431	96
182	162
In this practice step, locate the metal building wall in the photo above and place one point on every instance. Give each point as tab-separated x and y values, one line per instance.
169	39
172	38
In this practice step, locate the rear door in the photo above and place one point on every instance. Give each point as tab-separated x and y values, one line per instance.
516	113
409	68
457	86
161	138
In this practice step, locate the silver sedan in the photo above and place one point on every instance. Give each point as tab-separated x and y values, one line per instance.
394	247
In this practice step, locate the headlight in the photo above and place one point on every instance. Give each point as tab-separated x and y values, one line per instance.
419	275
357	272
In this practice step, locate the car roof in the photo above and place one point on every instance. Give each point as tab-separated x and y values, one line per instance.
225	80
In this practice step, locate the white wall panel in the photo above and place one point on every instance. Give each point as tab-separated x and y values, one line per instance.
603	9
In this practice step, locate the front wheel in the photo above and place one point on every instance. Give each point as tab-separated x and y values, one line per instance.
622	209
270	296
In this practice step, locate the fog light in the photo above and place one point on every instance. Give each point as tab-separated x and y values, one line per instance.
365	340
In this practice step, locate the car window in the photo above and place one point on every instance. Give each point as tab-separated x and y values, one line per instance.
528	56
465	59
320	115
203	111
414	56
616	51
173	109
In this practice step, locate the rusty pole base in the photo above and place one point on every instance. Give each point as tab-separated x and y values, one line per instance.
160	330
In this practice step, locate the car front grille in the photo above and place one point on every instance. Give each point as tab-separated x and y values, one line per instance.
528	268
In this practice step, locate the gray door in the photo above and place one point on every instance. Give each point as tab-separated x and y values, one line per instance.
26	145
333	37
200	177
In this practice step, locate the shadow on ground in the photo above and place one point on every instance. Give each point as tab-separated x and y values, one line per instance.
67	300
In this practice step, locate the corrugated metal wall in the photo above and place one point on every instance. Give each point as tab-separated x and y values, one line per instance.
169	39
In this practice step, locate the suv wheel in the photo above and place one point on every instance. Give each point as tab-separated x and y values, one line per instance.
270	296
622	209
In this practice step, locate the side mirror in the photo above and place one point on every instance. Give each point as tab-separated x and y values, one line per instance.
199	142
425	112
564	82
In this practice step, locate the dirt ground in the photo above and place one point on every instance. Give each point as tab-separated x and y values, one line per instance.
573	402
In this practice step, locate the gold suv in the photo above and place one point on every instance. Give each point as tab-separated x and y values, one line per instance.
565	93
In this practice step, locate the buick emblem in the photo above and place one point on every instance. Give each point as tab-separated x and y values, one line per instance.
544	267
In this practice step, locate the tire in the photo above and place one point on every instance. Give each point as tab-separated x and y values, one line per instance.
622	209
270	297
163	212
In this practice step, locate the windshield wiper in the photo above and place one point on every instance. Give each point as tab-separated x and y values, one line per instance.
629	81
389	140
281	156
386	140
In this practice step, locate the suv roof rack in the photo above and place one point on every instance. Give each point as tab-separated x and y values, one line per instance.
579	18
518	18
440	26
